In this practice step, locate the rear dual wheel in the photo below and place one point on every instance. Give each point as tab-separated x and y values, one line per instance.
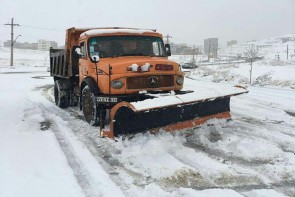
61	97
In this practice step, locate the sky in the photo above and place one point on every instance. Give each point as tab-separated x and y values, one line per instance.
187	21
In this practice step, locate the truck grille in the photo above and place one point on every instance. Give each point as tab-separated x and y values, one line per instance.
153	81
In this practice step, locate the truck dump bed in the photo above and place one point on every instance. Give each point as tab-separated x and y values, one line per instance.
58	63
64	62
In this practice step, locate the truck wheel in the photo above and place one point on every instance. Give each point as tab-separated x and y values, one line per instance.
60	97
89	107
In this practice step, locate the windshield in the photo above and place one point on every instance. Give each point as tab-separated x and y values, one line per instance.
114	46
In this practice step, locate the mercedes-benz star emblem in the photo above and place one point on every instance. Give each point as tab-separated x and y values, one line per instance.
153	81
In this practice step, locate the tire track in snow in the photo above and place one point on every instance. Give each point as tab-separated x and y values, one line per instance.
245	184
268	108
273	133
284	186
109	168
218	155
242	133
100	152
73	161
79	170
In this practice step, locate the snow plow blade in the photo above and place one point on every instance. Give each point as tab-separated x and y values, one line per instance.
125	118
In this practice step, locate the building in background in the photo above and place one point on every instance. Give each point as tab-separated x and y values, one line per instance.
232	42
40	45
33	46
211	47
45	44
183	49
20	45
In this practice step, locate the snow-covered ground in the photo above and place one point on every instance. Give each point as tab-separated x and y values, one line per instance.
270	71
48	151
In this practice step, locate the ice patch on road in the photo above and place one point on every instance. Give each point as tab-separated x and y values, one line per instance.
209	193
263	193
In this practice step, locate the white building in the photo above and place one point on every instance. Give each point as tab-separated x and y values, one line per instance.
45	45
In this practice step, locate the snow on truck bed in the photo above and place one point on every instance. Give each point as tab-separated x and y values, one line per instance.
202	91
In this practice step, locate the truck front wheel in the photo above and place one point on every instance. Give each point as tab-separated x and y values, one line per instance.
89	107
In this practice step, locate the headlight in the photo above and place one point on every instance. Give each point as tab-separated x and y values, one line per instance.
179	80
117	84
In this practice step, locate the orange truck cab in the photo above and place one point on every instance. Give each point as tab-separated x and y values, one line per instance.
101	67
128	60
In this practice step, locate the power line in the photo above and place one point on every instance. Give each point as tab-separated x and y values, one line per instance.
34	27
44	28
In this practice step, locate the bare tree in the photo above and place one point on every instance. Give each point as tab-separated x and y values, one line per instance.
250	54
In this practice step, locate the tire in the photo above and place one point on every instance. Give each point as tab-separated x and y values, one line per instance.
60	97
89	107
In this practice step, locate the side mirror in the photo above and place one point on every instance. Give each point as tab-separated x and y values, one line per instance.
78	51
95	58
167	49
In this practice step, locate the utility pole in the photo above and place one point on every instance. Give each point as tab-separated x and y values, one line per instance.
167	38
287	52
12	41
194	51
231	48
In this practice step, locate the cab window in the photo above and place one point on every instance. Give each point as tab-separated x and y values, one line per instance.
83	50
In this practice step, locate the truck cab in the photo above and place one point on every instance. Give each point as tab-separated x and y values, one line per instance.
128	60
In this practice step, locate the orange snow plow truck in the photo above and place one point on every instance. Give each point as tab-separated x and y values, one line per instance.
122	80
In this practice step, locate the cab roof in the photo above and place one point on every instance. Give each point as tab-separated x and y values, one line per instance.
120	31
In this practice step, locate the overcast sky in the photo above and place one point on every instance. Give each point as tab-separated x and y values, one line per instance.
189	21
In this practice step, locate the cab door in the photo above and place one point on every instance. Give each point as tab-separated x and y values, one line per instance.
83	63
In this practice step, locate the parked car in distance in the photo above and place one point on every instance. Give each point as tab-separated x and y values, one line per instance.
189	65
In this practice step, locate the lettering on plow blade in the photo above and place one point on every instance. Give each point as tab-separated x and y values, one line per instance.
129	121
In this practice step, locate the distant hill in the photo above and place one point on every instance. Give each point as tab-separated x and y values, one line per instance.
270	48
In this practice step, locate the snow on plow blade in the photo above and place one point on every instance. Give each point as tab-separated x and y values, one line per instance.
179	112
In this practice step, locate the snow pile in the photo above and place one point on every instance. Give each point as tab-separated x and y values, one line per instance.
201	92
170	161
136	68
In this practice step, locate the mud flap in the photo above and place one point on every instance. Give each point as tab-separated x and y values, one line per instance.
125	119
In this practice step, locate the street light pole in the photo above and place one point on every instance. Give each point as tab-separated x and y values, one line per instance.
167	38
